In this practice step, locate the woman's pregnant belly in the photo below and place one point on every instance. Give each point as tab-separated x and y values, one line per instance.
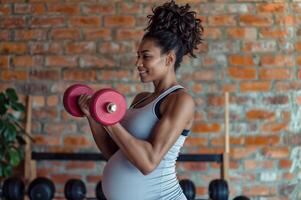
123	181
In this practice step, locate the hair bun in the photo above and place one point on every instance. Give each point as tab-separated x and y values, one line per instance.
178	20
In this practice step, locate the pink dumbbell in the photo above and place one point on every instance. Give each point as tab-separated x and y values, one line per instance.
107	106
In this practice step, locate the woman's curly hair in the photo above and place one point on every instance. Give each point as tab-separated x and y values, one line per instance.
175	27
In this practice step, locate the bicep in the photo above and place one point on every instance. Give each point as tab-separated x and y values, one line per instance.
170	126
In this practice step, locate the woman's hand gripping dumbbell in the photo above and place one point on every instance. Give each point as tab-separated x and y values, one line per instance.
106	106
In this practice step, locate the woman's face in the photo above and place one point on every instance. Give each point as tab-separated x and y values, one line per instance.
150	63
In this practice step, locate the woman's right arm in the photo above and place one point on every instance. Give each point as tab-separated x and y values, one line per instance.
102	139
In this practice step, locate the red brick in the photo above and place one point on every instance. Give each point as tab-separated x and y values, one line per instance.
78	141
259	190
79	75
285	86
26	61
130	8
38	101
85	21
298	46
272	74
259	46
242	60
81	48
94	34
52	75
257	114
63	178
274	33
47	22
95	61
52	100
273	127
8	75
206	128
94	178
13	22
124	88
193	167
242	73
195	141
212	33
22	8
213	100
262	140
298	60
277	60
4	62
46	48
65	33
255	20
47	140
271	8
285	164
276	152
38	8
61	61
255	86
67	9
13	48
284	20
114	75
242	152
87	165
44	113
4	35
108	8
33	34
119	21
242	33
222	20
5	9
129	34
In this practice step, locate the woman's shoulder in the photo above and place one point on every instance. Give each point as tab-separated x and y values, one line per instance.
180	98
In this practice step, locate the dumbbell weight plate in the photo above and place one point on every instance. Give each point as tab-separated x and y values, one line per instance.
75	189
102	101
13	189
41	189
71	96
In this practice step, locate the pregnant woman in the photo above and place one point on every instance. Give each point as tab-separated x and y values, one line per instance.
142	148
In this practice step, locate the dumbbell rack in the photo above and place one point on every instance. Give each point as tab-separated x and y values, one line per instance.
32	157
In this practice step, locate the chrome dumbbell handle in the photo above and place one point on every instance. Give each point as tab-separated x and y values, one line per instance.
111	107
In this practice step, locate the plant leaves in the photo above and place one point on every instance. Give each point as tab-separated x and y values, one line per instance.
18	106
3	105
10	132
7	170
11	94
14	157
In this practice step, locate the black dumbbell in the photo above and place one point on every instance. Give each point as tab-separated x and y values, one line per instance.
41	189
75	189
218	190
188	188
99	192
241	197
13	188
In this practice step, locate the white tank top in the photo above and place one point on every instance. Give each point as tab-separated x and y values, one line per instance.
123	181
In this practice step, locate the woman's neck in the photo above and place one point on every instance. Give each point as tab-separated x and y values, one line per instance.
162	85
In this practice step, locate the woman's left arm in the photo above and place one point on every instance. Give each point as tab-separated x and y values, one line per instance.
146	155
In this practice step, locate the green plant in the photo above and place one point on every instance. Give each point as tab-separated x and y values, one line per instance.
12	133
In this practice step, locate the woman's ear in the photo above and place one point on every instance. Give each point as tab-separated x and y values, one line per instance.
170	58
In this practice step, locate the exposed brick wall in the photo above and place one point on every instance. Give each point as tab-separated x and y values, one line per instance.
252	49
